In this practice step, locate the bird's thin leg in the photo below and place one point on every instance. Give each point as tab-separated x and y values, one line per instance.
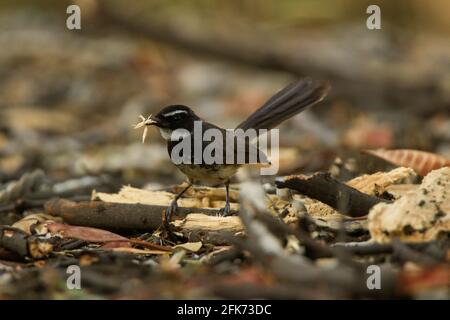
173	205
226	210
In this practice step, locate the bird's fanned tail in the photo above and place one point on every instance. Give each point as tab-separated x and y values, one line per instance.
288	102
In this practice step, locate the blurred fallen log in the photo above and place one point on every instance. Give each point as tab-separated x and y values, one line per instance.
253	291
27	184
306	55
321	186
404	253
114	216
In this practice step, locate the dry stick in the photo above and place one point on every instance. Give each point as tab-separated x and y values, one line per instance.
321	186
114	216
18	241
423	252
406	253
14	240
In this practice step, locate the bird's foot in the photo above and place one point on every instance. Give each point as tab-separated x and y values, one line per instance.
225	211
171	210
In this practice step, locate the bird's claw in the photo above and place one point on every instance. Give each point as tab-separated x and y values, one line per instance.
225	211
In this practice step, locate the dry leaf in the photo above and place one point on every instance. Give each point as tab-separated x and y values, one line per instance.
422	162
190	246
27	222
89	234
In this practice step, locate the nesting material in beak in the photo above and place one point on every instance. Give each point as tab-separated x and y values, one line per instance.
145	122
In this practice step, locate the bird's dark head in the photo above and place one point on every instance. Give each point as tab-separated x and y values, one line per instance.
174	117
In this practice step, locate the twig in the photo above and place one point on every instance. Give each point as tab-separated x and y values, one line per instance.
321	186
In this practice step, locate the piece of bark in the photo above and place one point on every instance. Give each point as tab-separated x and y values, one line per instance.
321	186
420	215
209	229
399	190
14	240
114	216
19	242
377	183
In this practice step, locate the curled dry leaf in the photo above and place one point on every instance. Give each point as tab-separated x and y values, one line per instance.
31	220
422	162
89	234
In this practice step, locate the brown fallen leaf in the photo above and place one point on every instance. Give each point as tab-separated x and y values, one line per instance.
89	234
420	161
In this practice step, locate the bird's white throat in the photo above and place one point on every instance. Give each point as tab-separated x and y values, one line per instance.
178	134
165	133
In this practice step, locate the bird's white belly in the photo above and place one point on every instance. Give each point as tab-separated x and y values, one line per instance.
208	174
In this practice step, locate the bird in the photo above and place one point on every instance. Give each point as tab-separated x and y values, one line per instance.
171	119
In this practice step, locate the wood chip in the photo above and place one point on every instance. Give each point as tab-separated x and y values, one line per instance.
420	215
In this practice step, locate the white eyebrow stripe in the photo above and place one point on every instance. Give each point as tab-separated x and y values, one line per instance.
174	113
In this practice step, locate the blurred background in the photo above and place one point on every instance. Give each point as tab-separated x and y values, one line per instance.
69	98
